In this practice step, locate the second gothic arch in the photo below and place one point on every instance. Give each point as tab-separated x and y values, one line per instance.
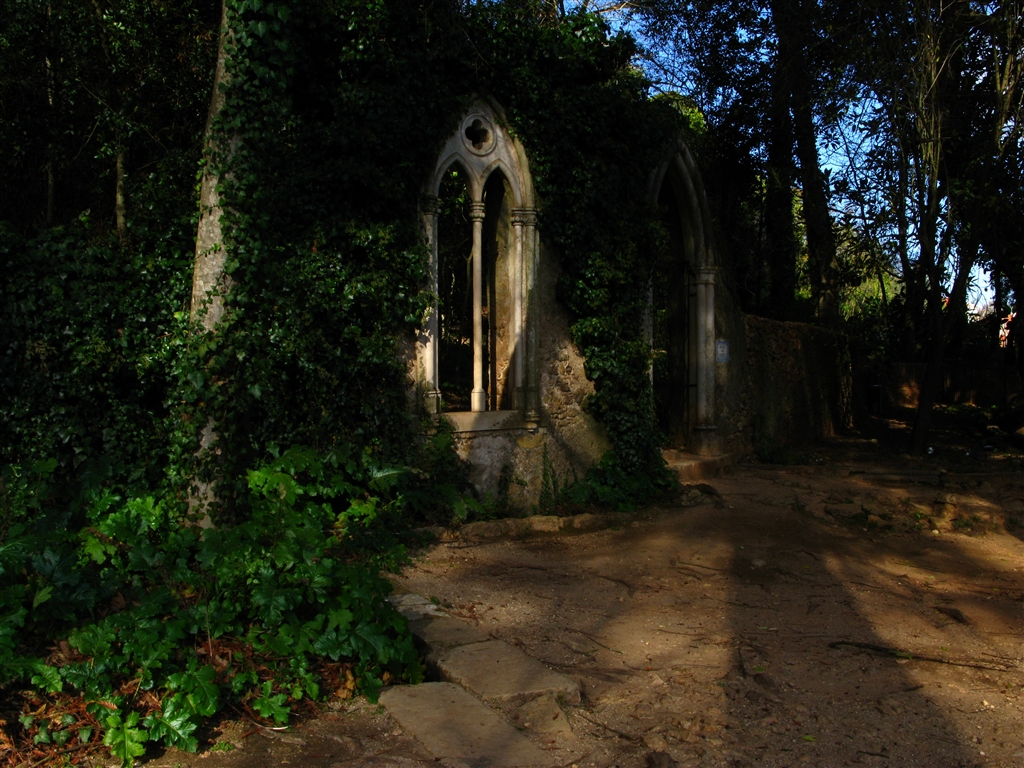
677	181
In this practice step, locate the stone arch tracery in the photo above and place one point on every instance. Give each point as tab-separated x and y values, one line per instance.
480	148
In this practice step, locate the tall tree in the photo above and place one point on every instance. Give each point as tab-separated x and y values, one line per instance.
772	66
942	95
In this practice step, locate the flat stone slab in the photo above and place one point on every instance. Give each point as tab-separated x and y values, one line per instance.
414	607
510	527
517	527
692	468
543	715
459	729
439	633
496	671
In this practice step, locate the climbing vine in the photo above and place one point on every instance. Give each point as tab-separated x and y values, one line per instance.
323	177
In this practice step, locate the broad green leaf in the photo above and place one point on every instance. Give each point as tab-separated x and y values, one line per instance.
173	726
47	677
42	595
125	740
272	705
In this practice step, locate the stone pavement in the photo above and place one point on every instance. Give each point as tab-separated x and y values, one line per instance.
450	718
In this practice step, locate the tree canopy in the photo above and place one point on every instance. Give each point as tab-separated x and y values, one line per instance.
858	144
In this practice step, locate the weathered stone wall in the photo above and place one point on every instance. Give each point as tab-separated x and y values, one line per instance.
794	382
576	441
730	377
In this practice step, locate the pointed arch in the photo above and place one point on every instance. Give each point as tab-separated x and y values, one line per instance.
692	287
482	146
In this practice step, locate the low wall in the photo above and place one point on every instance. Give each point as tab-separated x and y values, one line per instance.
795	383
891	386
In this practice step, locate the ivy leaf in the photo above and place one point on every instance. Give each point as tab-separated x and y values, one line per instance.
370	633
201	693
124	739
272	705
173	726
95	548
42	596
47	677
205	698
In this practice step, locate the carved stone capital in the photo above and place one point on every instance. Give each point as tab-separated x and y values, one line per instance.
707	275
429	205
524	217
476	211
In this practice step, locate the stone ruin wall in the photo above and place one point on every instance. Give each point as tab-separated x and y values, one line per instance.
789	382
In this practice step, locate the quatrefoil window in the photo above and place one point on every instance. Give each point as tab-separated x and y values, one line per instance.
479	135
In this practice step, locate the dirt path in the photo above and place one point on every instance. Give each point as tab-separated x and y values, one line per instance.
803	616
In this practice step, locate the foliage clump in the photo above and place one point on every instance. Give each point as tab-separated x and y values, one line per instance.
323	178
157	623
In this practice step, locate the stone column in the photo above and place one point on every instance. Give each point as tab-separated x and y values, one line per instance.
705	425
429	339
515	282
531	316
478	397
649	326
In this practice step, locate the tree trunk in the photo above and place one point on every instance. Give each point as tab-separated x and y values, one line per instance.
932	259
792	27
779	222
929	118
913	296
210	283
119	204
51	97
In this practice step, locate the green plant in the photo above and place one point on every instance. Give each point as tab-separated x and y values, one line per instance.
107	384
611	485
148	602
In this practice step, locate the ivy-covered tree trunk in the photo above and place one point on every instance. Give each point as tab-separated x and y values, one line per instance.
210	282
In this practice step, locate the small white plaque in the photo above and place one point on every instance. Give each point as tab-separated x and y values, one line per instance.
721	351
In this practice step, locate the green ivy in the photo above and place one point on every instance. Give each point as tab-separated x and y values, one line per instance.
203	618
322	162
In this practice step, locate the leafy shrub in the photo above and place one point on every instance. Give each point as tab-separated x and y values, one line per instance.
163	623
612	485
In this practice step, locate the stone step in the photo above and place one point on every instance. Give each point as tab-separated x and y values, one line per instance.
502	674
467	655
452	723
459	729
694	469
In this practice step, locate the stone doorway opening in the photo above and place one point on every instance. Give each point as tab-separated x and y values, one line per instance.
674	324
